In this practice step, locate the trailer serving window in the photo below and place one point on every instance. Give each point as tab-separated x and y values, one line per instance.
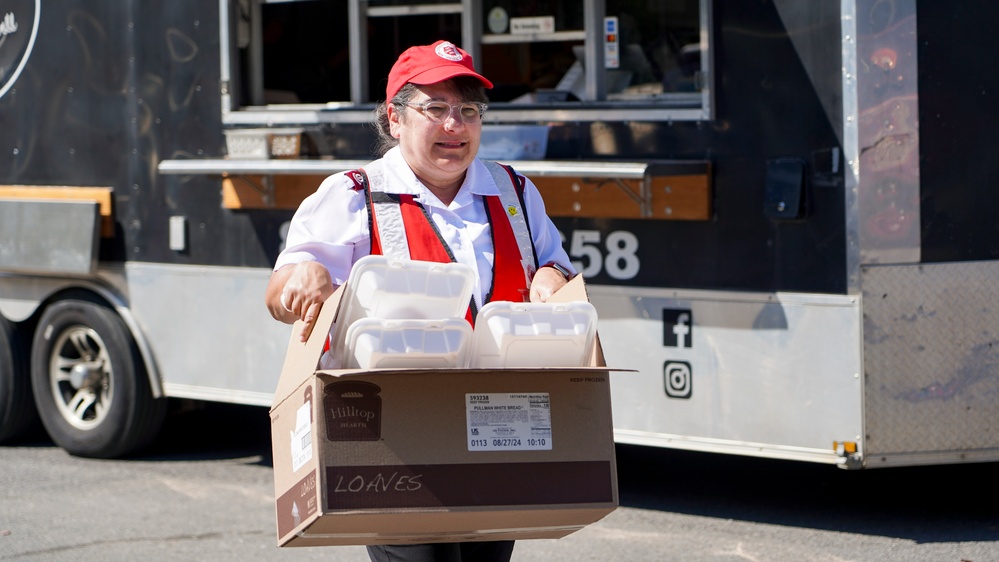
301	61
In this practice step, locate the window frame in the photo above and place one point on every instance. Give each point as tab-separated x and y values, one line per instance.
694	106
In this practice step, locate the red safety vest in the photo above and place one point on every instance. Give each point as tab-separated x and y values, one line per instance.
511	279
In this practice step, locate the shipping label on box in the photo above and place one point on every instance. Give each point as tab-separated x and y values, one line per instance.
301	438
509	422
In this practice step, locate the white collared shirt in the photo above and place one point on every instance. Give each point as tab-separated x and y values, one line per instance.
331	225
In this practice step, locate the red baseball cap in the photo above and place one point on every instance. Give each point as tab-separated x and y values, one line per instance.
430	64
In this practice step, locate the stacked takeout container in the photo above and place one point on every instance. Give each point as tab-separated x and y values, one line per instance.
412	314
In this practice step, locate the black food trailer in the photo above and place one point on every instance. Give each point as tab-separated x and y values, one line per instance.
784	211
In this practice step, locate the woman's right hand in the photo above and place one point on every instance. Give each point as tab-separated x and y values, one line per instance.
297	292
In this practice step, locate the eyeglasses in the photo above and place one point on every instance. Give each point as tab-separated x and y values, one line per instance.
439	111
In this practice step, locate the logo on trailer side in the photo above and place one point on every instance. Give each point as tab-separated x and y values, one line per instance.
678	328
18	28
678	332
676	376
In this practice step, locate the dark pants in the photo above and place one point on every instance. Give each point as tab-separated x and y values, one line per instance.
498	551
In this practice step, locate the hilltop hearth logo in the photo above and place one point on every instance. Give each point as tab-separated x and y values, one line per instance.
18	28
353	411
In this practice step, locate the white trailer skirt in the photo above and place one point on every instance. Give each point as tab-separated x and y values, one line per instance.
774	375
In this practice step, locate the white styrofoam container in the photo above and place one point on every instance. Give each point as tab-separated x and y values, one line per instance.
380	287
513	142
533	335
374	343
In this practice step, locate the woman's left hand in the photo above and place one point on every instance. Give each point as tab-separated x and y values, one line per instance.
546	281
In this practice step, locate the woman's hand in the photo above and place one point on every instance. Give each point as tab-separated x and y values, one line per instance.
546	281
297	292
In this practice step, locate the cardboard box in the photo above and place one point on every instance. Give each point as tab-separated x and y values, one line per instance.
398	456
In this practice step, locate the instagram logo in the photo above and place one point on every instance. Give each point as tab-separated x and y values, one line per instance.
677	381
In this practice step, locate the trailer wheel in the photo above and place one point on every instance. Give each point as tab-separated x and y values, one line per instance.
17	408
90	383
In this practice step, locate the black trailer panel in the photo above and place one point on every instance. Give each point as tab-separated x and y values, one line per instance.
957	105
121	87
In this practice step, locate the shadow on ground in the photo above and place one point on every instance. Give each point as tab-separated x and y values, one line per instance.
924	504
212	430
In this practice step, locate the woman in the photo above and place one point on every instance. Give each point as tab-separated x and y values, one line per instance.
428	197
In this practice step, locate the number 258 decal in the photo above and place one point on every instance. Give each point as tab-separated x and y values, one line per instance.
614	255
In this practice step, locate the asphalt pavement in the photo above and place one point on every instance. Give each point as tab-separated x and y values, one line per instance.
204	491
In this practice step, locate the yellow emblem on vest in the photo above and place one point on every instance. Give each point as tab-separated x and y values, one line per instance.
512	210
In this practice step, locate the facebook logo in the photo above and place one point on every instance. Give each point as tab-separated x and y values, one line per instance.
678	328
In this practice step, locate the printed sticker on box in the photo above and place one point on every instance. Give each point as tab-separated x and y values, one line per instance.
301	438
509	422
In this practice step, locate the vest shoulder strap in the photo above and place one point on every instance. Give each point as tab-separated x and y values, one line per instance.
390	229
511	196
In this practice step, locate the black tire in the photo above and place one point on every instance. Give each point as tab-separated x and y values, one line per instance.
90	384
17	407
